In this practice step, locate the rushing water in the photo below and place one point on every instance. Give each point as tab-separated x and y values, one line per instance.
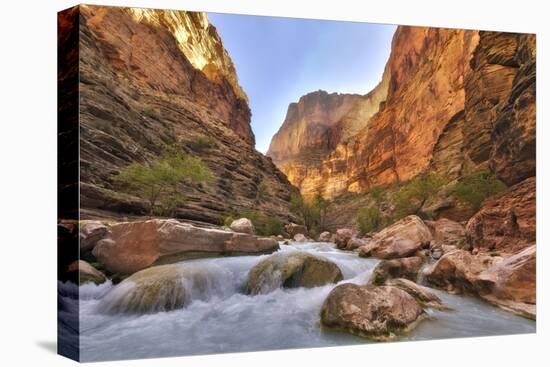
223	319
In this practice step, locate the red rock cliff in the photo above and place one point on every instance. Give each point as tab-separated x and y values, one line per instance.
452	100
150	78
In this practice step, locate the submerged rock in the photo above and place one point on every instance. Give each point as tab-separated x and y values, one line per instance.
242	225
378	313
423	295
291	270
407	267
134	246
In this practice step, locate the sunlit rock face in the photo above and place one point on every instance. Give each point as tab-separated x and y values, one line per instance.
319	125
197	39
450	102
151	78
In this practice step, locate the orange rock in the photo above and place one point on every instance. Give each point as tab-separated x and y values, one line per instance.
506	222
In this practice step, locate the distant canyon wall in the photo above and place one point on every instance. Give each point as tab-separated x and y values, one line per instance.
450	101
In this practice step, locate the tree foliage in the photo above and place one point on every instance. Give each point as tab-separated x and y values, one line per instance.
159	181
473	189
313	211
411	196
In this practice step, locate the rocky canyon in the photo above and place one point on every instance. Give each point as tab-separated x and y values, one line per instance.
152	78
449	102
369	214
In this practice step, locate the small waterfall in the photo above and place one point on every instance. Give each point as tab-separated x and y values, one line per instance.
169	287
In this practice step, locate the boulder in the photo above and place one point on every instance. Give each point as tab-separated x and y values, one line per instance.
293	229
356	243
448	232
422	295
511	283
378	313
86	273
407	267
242	225
457	271
90	233
156	289
291	270
506	222
324	236
134	246
342	236
401	239
300	237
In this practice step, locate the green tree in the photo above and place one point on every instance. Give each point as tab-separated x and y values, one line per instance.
312	211
159	181
370	219
475	188
411	196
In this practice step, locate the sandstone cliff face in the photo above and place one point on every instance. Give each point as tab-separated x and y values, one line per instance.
150	78
319	125
453	101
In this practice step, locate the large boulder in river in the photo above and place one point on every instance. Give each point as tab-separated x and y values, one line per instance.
457	271
242	225
379	313
406	267
159	288
423	295
401	239
90	233
511	283
291	270
506	222
293	229
342	237
137	245
86	273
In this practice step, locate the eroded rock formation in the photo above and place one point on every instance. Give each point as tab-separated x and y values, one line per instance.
450	102
152	78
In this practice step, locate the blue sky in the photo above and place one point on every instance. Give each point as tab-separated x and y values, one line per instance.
280	59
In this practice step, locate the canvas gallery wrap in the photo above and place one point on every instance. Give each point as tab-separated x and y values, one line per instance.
233	183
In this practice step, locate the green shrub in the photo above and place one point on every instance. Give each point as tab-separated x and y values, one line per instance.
201	143
159	181
473	189
312	211
264	224
411	196
370	219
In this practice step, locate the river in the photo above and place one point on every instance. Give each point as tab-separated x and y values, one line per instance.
221	318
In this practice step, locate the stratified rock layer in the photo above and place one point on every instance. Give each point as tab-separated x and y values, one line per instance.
450	102
152	78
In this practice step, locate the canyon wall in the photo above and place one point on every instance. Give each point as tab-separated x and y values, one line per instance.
151	78
452	101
